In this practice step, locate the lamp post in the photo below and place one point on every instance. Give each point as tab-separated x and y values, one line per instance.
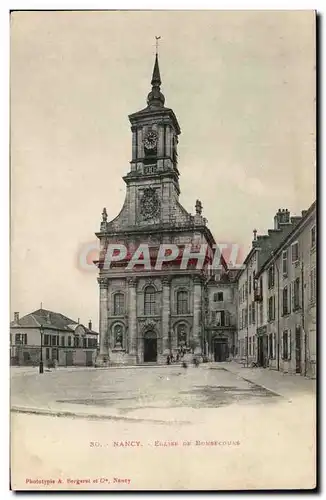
41	357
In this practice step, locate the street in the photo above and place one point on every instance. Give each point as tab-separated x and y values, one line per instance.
160	427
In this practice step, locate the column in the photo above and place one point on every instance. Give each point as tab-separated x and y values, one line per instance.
103	283
132	317
160	148
161	145
134	143
166	281
197	327
140	152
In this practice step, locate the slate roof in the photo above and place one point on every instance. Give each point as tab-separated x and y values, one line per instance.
298	222
48	319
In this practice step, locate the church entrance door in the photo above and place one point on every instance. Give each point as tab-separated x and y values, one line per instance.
150	347
221	351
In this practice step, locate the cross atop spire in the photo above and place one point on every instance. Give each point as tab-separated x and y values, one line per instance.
157	38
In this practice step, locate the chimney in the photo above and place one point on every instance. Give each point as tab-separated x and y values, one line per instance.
16	317
281	217
90	324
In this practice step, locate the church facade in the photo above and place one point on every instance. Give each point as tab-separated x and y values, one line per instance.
148	311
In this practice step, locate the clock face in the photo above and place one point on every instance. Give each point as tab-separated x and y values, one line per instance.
150	140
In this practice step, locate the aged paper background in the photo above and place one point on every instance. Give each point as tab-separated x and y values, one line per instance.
243	87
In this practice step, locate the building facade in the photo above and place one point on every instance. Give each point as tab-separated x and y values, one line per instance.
220	316
63	341
149	311
277	296
288	293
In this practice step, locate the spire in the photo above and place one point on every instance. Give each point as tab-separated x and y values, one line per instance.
156	78
155	98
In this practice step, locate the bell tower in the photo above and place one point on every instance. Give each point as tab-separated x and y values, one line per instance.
153	175
155	131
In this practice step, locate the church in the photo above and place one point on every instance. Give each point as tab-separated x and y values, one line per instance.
148	312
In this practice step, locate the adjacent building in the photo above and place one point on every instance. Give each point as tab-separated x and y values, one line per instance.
277	296
251	306
286	291
220	316
62	340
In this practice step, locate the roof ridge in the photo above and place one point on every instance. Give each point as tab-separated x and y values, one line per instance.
36	321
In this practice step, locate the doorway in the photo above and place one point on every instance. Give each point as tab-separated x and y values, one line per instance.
89	358
69	358
263	350
221	350
298	349
150	348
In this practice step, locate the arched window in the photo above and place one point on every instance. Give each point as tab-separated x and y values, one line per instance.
182	302
149	301
119	304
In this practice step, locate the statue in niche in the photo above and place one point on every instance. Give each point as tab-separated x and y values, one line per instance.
182	336
118	337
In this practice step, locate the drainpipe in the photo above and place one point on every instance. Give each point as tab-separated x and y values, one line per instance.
247	319
278	316
303	322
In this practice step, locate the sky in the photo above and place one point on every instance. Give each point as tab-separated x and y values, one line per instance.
242	85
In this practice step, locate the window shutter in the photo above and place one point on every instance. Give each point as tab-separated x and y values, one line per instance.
274	345
292	294
289	344
281	346
273	306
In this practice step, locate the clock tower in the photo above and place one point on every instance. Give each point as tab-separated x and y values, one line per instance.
153	180
148	312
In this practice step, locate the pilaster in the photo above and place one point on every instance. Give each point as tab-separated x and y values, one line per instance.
132	317
168	141
103	357
166	282
134	143
161	148
197	328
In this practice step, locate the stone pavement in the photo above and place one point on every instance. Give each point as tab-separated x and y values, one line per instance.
161	394
263	440
288	386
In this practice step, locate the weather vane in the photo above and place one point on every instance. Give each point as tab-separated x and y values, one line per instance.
157	39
